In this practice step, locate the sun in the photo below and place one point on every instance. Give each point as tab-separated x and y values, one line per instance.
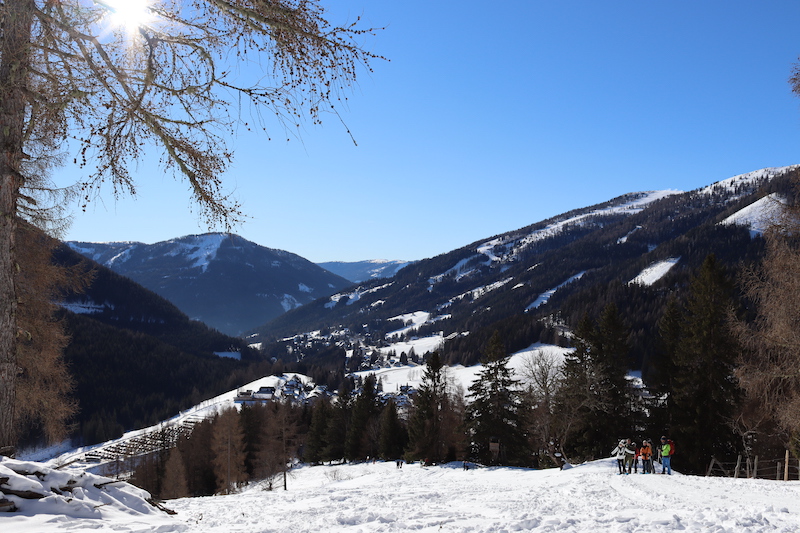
129	15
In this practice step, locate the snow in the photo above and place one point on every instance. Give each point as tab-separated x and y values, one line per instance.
505	248
414	320
462	376
759	215
746	181
289	302
459	270
84	308
200	248
304	288
654	272
379	497
354	296
546	295
420	346
78	502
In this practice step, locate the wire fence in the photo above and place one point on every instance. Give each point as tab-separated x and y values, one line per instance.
784	469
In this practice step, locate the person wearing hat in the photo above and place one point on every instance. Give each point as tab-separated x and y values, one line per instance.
619	453
666	467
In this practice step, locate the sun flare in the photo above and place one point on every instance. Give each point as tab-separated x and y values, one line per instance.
129	14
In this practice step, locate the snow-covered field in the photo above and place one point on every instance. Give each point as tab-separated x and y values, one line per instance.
381	498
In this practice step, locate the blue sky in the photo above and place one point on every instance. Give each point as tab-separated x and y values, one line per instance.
490	117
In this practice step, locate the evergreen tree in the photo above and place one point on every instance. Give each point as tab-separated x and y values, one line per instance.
595	398
494	414
356	443
338	425
315	440
613	358
426	440
705	393
393	436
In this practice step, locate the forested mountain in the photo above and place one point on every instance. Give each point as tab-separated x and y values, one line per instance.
223	280
535	283
136	358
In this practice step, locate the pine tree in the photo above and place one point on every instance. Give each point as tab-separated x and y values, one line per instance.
705	393
393	436
613	358
356	446
338	425
494	413
426	439
595	398
315	440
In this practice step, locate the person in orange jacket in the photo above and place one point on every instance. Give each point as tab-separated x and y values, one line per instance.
646	452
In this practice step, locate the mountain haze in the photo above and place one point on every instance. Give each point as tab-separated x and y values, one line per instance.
358	271
223	280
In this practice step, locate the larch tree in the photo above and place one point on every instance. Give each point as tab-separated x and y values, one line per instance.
768	370
117	79
228	444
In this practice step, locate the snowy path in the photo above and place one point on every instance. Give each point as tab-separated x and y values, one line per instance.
380	498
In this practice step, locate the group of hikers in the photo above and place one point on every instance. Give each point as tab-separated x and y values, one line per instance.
628	454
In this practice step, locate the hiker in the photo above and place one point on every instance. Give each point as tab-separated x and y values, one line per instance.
636	460
630	455
646	451
666	451
619	453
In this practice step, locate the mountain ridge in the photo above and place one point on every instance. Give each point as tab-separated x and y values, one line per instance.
221	279
584	259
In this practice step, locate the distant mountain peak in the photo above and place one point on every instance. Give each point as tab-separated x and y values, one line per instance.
221	279
358	271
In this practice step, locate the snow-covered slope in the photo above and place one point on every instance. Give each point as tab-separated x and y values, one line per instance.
654	272
758	215
380	497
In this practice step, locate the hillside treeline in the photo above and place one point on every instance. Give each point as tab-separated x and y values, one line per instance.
551	412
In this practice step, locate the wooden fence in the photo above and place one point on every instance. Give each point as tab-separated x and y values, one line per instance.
785	468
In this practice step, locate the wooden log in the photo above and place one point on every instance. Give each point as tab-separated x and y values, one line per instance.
7	506
26	494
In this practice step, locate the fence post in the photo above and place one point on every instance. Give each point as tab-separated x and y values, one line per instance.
738	466
710	466
786	468
778	472
755	467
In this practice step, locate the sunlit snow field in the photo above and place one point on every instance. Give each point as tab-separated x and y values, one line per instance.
382	498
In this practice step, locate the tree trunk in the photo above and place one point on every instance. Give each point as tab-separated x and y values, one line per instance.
14	72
